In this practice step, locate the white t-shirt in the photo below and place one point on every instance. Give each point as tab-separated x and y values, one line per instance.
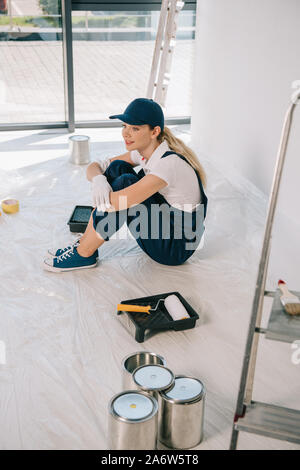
183	190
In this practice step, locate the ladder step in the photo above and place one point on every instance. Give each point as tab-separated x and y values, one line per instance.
269	293
271	421
281	325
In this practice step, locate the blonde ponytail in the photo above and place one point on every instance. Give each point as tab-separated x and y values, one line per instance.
179	147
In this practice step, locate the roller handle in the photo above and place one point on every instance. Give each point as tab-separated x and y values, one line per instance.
134	308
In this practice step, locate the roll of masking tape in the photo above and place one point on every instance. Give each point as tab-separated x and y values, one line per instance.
10	206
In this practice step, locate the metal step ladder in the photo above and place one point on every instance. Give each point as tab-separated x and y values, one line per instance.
164	47
251	416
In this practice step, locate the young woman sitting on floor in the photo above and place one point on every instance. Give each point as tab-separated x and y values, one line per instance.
165	199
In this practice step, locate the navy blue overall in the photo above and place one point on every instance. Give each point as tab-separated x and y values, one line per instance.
186	228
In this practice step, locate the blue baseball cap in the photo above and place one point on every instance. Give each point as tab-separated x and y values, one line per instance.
142	111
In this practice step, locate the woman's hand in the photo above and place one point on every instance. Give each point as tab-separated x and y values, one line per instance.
97	168
100	191
104	164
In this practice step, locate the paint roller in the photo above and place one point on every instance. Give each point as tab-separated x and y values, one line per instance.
174	307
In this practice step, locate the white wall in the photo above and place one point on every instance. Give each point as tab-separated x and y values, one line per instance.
247	56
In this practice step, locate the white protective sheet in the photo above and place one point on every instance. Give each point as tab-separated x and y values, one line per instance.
64	342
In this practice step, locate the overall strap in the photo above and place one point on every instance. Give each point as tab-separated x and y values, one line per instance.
203	195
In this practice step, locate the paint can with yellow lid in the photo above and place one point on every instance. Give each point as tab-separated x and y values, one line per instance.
133	421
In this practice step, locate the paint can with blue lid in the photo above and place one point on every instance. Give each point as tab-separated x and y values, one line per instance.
134	360
133	421
182	413
153	378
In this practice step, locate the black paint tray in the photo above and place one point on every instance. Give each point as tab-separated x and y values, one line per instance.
137	323
80	218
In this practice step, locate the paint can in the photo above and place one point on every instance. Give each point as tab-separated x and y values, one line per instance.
153	378
135	360
79	149
133	421
182	413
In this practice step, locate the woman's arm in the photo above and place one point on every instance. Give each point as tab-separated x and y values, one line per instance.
135	193
125	157
94	169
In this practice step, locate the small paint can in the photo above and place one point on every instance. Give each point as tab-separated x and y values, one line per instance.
153	378
182	413
79	149
133	421
134	360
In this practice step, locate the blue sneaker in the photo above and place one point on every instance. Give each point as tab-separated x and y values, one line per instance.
69	261
53	253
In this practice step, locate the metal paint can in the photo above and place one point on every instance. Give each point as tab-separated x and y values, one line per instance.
79	149
133	421
153	378
182	413
135	360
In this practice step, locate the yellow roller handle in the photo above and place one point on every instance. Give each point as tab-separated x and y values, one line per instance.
134	308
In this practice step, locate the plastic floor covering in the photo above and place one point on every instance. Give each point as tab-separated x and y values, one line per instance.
63	340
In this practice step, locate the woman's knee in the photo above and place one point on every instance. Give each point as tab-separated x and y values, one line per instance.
117	168
123	181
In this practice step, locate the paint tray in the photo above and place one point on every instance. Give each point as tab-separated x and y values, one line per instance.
143	325
80	218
